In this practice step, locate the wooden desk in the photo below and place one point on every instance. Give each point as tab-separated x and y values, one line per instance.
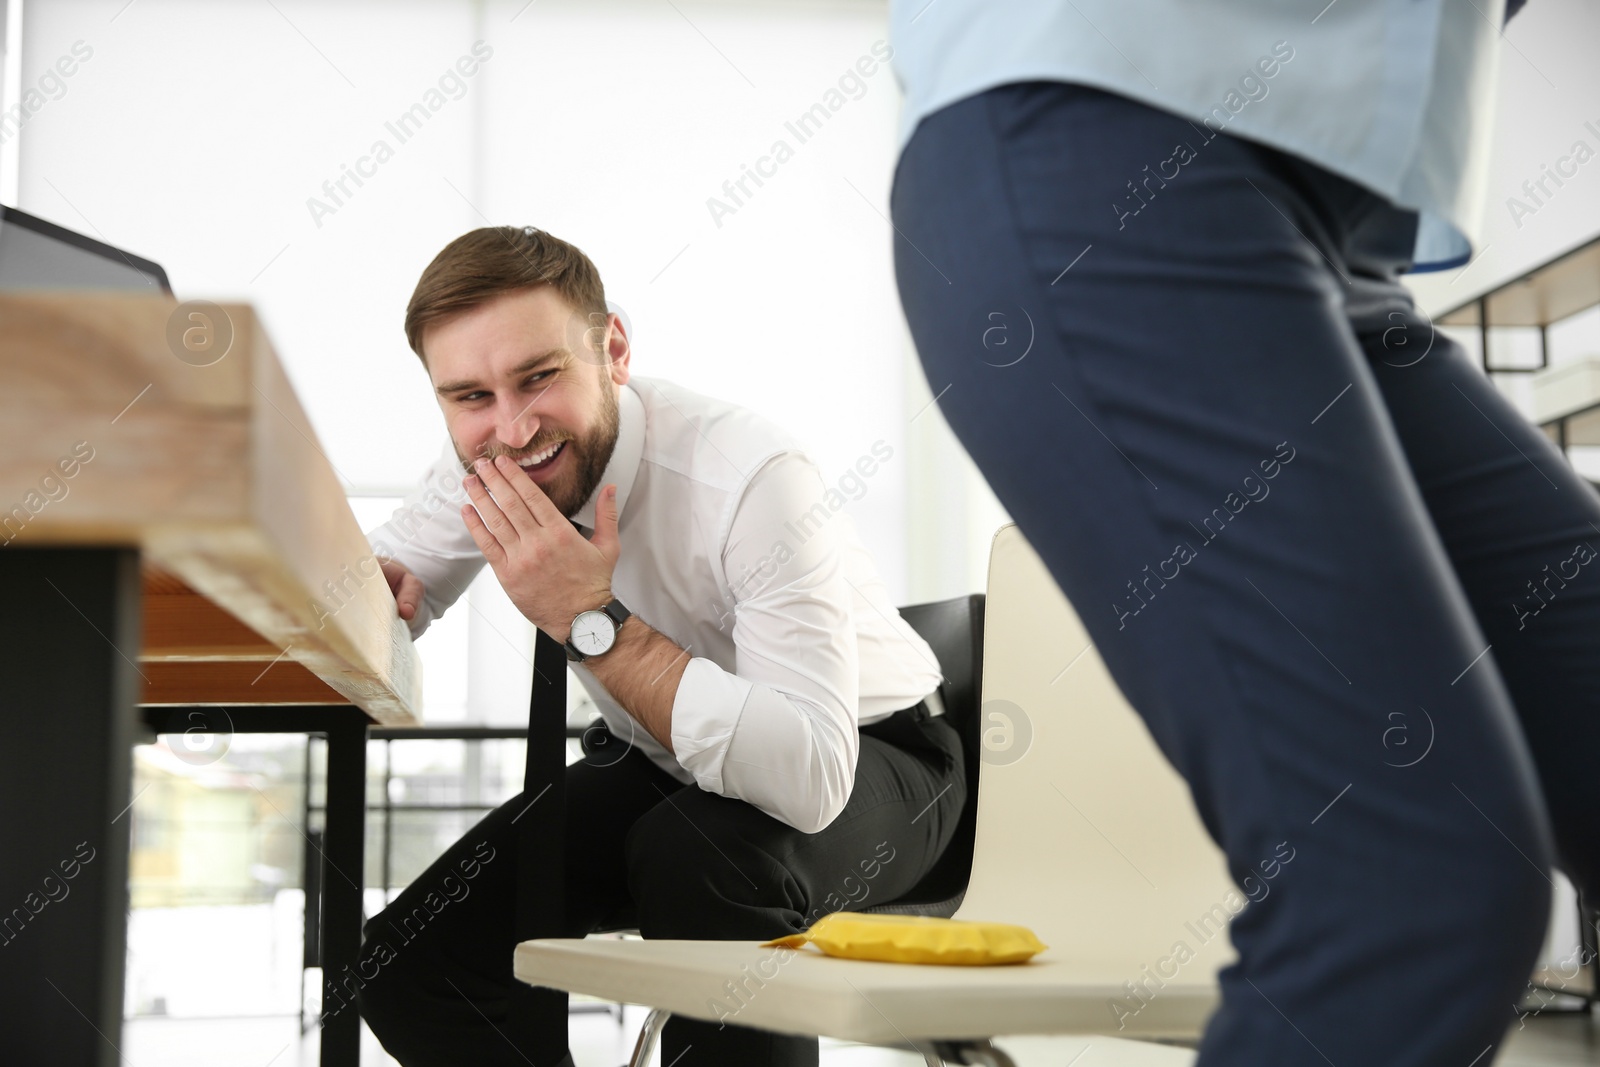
173	536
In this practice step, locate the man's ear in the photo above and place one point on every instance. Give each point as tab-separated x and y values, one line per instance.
619	349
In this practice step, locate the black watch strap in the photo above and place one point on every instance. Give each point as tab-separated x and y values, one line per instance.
618	611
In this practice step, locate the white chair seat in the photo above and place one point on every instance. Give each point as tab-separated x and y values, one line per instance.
864	1001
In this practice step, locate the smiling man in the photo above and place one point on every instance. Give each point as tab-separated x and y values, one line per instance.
785	753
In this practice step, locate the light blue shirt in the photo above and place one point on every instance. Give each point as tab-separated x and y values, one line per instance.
1396	95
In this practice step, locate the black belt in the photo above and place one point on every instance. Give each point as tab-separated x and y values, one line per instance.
906	729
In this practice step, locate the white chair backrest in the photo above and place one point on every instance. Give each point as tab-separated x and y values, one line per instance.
1085	832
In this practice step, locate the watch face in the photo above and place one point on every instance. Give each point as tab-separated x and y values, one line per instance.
593	632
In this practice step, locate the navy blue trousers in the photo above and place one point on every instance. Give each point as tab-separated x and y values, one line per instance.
1350	590
643	850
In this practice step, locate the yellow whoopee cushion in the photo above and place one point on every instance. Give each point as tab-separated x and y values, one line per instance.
916	939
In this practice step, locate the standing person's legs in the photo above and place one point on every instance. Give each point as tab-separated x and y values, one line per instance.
705	866
1197	448
1522	530
437	963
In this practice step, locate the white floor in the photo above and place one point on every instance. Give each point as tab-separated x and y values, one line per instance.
598	1041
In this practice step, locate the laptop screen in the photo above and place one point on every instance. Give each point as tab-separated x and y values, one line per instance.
36	254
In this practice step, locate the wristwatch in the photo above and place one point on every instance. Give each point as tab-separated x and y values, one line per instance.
595	631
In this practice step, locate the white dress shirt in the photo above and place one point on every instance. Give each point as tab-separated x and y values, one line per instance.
733	546
1396	95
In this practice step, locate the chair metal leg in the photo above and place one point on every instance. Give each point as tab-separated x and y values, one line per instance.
983	1052
1589	946
537	1025
979	1052
645	1047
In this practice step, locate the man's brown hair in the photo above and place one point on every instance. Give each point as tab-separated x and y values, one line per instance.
487	262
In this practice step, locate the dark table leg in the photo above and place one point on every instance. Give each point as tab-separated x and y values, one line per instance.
69	642
344	861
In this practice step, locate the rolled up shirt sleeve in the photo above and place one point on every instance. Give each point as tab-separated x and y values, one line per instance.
427	535
779	731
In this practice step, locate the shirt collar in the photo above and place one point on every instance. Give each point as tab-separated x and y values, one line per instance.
623	466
